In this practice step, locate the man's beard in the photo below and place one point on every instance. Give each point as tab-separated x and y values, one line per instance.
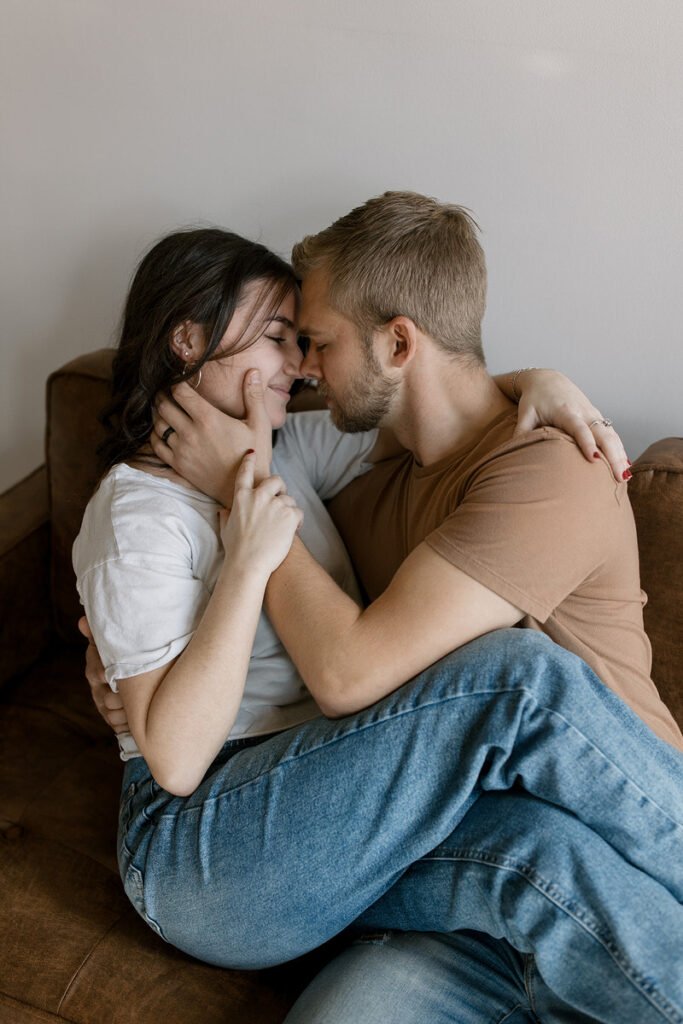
367	398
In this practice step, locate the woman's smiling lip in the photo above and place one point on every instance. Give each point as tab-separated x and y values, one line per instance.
283	392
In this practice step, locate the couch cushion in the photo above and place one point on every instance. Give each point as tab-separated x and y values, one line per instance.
72	946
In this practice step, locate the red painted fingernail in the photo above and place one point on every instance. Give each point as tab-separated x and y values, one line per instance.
629	461
249	451
626	475
596	455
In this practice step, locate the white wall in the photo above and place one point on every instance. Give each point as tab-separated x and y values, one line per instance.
558	122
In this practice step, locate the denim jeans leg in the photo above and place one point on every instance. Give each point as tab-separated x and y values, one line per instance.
606	939
420	978
289	841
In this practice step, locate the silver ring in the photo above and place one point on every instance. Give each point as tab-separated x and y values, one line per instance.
167	433
605	423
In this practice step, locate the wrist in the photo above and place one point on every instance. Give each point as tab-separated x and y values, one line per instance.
514	381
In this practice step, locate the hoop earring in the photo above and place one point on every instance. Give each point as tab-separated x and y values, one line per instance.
199	377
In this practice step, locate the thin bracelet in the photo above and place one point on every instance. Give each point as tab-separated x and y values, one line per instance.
513	381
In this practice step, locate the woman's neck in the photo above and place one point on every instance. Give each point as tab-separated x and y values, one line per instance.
147	462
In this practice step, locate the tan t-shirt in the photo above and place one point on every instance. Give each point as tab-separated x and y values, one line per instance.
536	523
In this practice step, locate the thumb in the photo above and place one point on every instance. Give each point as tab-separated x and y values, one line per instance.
527	419
254	399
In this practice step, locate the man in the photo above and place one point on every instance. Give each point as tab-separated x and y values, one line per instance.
471	531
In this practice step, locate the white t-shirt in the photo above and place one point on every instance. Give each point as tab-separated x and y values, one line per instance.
149	552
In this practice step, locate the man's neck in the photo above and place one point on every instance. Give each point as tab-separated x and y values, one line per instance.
445	405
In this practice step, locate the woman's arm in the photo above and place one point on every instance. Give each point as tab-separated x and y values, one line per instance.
548	398
181	714
206	444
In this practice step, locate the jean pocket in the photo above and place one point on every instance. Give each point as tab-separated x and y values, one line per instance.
135	891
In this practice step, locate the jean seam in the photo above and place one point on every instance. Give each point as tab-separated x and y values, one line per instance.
529	967
569	906
508	1013
433	704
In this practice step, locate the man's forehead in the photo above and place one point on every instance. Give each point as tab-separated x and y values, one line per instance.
315	307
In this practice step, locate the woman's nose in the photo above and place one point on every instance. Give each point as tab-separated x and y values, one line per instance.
293	357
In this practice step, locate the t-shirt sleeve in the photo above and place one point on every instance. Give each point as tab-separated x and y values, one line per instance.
536	522
143	601
331	458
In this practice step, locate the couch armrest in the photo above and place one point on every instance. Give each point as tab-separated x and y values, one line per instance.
25	614
656	493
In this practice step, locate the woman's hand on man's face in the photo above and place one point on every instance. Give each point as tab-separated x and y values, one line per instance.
204	445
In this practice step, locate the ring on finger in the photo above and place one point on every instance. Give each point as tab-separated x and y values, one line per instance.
167	433
605	423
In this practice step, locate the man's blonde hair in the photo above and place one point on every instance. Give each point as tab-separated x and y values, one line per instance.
404	254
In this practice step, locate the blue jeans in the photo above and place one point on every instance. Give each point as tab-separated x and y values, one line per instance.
288	841
429	978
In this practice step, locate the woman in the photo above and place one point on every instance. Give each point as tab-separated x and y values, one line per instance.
251	851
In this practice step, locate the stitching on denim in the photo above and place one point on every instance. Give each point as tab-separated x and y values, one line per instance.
433	704
555	895
134	880
518	1006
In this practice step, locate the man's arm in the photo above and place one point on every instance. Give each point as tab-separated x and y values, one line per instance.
350	658
206	445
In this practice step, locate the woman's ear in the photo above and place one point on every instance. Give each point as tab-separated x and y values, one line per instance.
187	341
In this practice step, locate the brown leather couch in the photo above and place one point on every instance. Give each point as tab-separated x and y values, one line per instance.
72	947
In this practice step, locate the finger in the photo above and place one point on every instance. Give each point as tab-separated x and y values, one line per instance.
84	627
94	669
176	415
244	477
254	400
112	701
161	449
161	425
611	446
287	500
583	436
527	419
272	486
187	401
117	720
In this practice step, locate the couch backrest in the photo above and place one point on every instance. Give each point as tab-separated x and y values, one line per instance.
77	393
75	396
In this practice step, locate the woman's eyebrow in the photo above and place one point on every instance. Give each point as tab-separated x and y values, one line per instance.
280	320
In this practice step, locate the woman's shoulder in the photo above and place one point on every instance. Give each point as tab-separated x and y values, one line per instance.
134	514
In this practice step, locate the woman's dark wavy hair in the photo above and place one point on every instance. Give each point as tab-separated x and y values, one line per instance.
196	275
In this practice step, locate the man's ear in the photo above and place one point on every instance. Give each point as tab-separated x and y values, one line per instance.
402	339
187	341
